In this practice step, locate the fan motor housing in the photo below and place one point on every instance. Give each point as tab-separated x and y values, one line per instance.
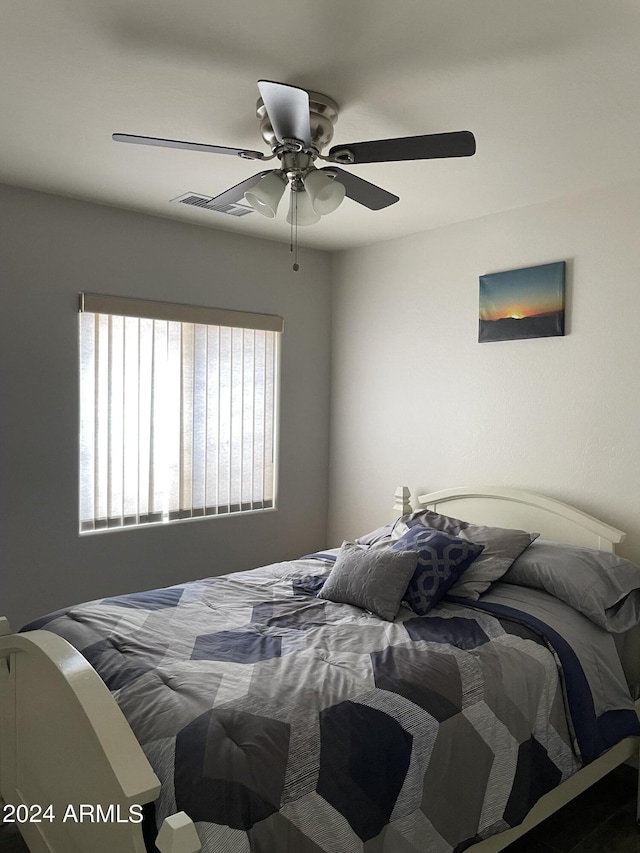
323	114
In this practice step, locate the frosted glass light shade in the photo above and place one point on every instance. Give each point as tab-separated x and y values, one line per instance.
306	215
266	195
326	194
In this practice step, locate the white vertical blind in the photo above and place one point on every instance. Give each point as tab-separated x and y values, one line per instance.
177	419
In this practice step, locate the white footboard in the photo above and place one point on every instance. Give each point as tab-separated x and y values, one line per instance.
69	762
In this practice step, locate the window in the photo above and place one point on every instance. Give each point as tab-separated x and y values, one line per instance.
177	411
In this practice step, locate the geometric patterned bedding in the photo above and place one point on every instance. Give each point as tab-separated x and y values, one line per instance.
284	723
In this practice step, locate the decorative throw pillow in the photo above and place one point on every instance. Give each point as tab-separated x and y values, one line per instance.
501	547
442	558
374	580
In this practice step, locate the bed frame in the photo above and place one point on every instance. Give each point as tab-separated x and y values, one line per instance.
64	741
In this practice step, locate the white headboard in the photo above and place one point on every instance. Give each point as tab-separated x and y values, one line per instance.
500	507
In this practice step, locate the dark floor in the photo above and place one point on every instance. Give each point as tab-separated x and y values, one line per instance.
602	820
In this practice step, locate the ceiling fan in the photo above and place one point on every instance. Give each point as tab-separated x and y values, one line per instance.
298	125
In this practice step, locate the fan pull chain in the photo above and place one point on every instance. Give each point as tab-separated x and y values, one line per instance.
293	241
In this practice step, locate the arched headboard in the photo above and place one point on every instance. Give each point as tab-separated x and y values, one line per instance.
500	507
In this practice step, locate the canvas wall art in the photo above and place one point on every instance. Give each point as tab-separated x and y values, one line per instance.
525	303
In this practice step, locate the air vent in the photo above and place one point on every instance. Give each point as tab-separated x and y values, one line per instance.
207	202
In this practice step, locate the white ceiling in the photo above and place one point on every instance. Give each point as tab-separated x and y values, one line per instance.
550	88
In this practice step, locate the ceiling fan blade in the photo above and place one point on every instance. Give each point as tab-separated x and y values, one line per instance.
288	110
236	193
371	196
459	144
188	146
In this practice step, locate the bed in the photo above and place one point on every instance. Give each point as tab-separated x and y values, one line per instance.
74	775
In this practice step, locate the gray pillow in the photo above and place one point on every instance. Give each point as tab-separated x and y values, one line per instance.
601	585
501	547
380	534
374	580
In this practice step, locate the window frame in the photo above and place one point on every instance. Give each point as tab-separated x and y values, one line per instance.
143	309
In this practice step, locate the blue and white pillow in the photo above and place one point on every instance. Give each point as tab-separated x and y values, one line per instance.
501	547
442	558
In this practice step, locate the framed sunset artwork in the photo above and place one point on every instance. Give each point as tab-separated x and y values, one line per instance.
525	303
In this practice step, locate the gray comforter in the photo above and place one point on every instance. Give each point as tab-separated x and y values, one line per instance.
283	723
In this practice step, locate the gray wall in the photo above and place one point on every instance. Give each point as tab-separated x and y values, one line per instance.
51	248
432	408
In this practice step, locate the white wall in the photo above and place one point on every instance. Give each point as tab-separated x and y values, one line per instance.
52	248
416	400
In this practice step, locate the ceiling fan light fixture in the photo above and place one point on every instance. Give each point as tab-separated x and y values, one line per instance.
326	194
301	210
297	125
266	195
